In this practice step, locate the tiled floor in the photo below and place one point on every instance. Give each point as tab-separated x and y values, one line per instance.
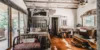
3	45
63	44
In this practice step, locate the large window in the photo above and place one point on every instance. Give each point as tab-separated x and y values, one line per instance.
89	20
3	26
64	22
15	22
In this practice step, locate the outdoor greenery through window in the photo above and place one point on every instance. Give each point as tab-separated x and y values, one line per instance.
15	21
3	16
21	22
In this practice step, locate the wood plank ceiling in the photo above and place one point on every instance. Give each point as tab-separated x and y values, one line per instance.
68	4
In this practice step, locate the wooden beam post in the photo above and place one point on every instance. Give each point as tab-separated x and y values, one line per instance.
19	26
98	24
9	28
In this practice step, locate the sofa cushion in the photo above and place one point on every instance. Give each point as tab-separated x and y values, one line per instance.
27	46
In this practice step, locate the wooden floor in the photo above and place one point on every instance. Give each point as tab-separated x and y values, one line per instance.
60	44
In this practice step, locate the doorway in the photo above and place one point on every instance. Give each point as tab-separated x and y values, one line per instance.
54	25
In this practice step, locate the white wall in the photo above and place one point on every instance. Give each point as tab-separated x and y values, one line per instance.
82	9
69	14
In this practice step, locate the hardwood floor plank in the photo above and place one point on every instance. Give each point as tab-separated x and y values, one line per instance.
59	44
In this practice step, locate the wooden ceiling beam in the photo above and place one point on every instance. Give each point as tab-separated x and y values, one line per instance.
67	2
55	7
